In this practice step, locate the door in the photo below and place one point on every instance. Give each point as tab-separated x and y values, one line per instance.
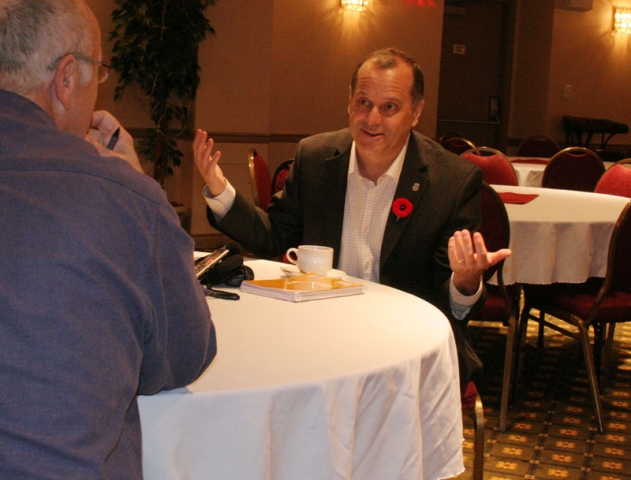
473	90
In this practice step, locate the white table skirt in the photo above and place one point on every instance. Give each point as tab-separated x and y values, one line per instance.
561	236
362	387
531	174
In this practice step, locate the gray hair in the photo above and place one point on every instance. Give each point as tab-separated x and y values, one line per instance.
388	58
35	33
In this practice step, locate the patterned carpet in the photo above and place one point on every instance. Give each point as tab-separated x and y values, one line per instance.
551	433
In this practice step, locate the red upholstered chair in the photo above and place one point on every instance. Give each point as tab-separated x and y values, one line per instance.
573	168
456	144
616	180
538	146
278	179
598	303
502	301
497	168
260	179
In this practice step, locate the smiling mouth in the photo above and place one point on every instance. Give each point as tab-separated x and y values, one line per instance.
372	134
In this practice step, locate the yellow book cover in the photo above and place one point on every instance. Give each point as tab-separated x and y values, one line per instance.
302	288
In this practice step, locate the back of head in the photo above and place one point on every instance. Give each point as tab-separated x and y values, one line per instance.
35	33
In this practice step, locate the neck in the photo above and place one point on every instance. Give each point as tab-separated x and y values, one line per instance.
373	170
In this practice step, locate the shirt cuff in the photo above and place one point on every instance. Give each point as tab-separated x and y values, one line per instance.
461	304
220	204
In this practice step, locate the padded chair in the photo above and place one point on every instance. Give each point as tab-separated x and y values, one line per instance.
598	303
497	168
573	168
278	179
616	180
538	146
502	301
456	144
260	179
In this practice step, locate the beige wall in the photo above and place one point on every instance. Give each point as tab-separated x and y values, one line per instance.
282	67
586	55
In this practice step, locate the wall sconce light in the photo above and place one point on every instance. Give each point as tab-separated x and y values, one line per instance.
622	20
356	5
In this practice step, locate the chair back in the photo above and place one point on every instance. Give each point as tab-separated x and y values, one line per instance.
456	144
278	179
616	180
495	226
260	179
496	167
573	168
619	266
538	146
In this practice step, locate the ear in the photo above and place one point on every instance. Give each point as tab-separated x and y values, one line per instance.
65	80
417	112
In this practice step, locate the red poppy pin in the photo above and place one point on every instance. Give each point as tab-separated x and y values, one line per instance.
401	208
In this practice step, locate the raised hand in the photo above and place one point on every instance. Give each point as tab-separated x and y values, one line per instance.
207	163
469	258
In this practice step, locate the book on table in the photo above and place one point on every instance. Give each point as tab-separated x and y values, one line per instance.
302	288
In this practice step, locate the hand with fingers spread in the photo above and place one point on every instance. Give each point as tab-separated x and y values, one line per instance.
469	258
207	163
102	128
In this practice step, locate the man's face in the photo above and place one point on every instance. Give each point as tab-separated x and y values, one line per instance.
380	111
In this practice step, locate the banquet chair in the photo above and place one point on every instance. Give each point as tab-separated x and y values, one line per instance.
260	179
573	168
456	144
496	167
278	179
616	180
538	146
502	301
597	303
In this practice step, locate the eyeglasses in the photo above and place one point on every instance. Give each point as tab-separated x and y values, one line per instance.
104	67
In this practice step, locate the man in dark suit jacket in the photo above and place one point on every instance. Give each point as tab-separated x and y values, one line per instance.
395	206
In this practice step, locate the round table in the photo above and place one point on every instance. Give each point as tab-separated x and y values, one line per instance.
560	236
362	387
529	170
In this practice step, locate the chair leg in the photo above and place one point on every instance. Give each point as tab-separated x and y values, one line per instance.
540	334
522	330
477	415
509	369
591	375
611	331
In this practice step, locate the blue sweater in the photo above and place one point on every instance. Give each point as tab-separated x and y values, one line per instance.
98	303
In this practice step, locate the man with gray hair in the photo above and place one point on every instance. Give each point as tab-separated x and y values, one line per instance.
98	297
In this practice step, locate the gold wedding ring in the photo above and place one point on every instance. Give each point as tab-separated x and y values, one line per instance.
461	260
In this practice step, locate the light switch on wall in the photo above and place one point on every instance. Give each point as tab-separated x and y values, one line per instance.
567	91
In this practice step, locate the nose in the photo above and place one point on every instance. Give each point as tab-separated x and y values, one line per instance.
373	117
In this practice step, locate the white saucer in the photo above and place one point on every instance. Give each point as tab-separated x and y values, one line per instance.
292	271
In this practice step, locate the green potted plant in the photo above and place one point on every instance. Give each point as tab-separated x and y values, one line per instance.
155	44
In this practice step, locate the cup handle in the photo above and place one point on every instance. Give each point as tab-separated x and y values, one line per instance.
292	258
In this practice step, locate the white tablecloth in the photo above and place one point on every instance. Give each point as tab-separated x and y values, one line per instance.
531	174
561	236
362	387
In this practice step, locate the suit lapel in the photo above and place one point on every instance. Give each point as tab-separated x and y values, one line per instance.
334	199
412	185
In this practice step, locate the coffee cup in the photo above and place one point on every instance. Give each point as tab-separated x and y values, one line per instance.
312	258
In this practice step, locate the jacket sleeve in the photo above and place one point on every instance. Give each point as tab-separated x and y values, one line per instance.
180	340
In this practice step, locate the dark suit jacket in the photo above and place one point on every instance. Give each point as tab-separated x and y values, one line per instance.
443	188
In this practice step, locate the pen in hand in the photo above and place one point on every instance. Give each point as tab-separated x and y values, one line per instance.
114	139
